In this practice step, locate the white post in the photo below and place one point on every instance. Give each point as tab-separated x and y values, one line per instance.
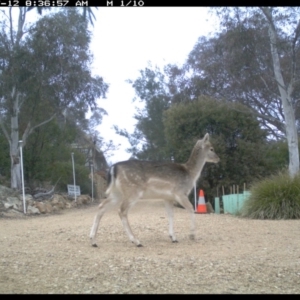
22	173
74	175
92	171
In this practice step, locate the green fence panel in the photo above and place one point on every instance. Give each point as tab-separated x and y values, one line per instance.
233	203
217	205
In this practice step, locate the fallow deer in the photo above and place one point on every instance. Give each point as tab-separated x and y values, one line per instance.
131	180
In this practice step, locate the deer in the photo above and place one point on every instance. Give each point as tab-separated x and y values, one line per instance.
133	180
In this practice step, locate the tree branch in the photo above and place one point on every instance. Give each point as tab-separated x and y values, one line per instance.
30	129
4	131
22	15
11	26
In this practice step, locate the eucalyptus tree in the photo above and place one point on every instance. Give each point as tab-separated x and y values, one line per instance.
282	32
87	12
253	59
44	73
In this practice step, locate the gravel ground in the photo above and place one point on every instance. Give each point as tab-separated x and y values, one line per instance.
52	254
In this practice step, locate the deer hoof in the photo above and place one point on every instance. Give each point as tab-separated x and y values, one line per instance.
139	245
94	245
175	241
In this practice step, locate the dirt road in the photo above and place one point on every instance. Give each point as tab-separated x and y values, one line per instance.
52	254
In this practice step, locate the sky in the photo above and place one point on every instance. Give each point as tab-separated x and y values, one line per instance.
124	40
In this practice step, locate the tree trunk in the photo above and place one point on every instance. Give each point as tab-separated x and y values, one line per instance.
292	139
285	94
16	182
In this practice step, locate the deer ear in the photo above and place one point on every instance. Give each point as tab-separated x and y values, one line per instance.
206	138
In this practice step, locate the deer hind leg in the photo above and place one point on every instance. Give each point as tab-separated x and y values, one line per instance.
185	202
103	207
170	214
123	212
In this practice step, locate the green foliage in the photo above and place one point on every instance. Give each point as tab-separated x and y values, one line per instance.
45	147
235	134
51	65
45	71
148	140
87	12
47	157
276	197
277	155
4	157
236	64
64	171
61	62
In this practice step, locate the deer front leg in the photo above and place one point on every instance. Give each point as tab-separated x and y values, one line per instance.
170	214
184	201
103	207
123	211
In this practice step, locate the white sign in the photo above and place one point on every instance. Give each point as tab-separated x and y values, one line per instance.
71	191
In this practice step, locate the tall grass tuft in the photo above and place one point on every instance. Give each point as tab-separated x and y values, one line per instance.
276	197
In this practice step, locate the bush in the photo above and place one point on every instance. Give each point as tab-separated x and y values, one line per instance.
276	197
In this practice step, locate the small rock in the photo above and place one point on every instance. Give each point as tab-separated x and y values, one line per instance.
13	202
79	201
84	199
8	205
68	205
61	205
55	208
49	208
32	210
41	207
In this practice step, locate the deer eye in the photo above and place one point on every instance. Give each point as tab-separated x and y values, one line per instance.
211	149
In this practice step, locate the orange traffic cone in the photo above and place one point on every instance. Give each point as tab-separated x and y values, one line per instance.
201	208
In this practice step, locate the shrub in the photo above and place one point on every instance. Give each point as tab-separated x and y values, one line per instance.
276	197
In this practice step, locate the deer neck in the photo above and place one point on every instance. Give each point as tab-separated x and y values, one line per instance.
196	162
